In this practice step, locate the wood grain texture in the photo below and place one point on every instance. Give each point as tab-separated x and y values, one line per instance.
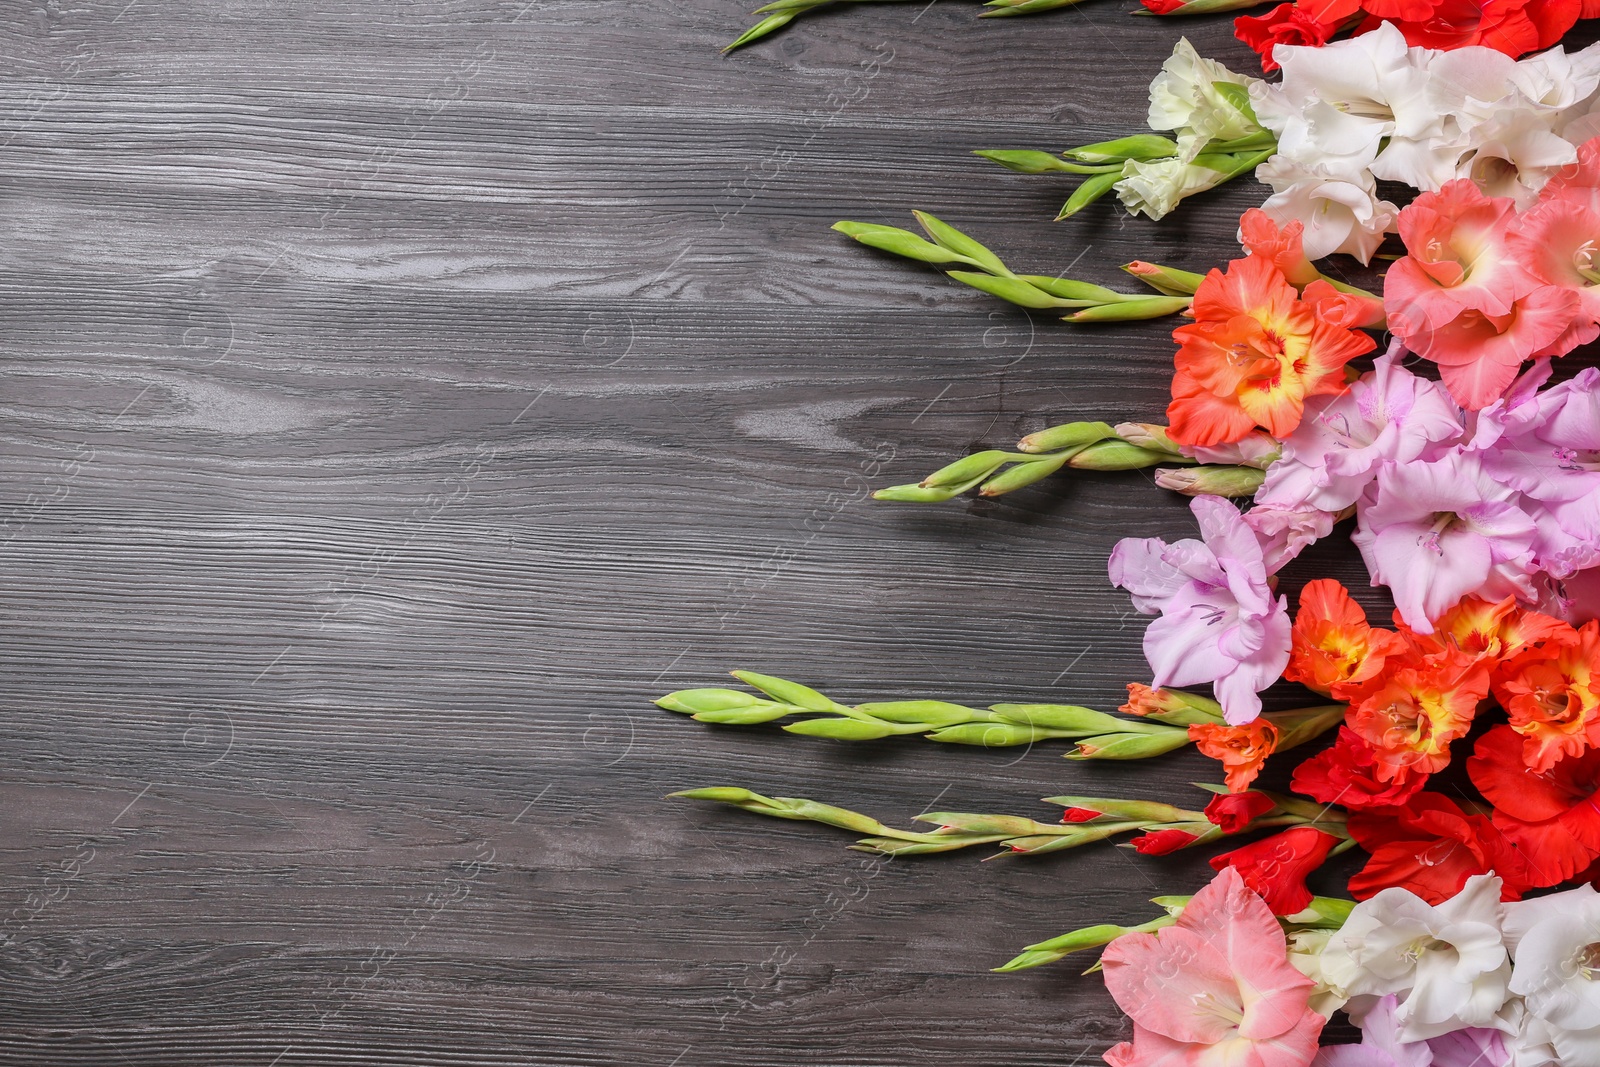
396	398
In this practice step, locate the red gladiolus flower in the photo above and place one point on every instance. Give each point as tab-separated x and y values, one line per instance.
1332	645
1552	692
1252	356
1276	867
1412	712
1242	749
1234	812
1161	842
1289	24
1514	27
1080	815
1431	847
1553	817
1346	774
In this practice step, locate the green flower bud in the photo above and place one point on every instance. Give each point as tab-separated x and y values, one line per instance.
1023	474
927	712
1014	290
1139	146
1143	811
1067	435
1117	456
1030	162
1325	913
965	822
947	236
1168	280
697	701
1145	307
990	734
971	468
1147	435
1088	192
788	692
1086	293
900	242
917	494
1072	719
840	729
1129	746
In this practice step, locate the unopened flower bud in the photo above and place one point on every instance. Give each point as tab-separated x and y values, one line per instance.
1171	706
1129	746
1211	481
1168	280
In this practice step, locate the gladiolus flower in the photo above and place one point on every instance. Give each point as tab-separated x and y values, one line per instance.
1333	645
1252	356
1412	712
1431	847
1161	842
1276	867
1288	24
1346	774
1553	816
1216	987
1219	621
1080	815
1260	235
1484	628
1234	812
1552	693
1241	749
1462	298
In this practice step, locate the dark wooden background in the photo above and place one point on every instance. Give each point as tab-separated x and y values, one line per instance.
397	397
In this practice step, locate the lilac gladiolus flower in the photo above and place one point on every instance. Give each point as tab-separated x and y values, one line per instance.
1219	622
1381	1046
1435	532
1388	414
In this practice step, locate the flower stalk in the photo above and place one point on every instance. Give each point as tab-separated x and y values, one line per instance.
948	247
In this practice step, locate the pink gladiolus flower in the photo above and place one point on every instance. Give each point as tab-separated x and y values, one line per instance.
1462	297
1215	988
1435	532
1389	414
1219	622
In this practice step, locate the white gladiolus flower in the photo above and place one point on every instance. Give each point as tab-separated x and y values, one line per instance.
1339	209
1447	963
1154	189
1556	942
1184	98
1305	954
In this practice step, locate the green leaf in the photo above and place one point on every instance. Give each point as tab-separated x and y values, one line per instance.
840	729
947	236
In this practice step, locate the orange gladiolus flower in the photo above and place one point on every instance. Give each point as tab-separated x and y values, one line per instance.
1252	356
1332	645
1412	712
1242	749
1552	692
1485	628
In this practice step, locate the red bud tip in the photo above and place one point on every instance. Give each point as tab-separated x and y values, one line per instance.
1080	815
1161	842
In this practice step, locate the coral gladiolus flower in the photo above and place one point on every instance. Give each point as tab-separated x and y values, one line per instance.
1216	987
1410	714
1260	235
1252	356
1554	816
1552	692
1242	749
1345	775
1276	867
1462	298
1332	644
1431	847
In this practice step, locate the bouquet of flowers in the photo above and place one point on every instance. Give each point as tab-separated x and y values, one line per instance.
1461	461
